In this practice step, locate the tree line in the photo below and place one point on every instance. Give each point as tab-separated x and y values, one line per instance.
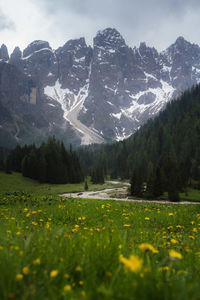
50	163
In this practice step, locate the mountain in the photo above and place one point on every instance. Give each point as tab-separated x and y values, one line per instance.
86	94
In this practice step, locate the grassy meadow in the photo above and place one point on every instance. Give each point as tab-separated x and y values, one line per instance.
58	248
15	182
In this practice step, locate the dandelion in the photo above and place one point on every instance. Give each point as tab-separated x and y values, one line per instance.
78	269
67	288
147	247
146	218
25	270
170	214
134	264
127	225
37	261
175	254
120	246
34	212
18	233
53	273
34	223
47	225
173	241
191	237
19	277
180	272
83	293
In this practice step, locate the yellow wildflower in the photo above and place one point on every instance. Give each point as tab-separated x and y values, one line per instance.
18	233
53	273
175	254
25	270
170	214
67	288
36	261
134	264
173	241
147	218
182	272
78	269
34	223
19	277
127	225
47	225
147	247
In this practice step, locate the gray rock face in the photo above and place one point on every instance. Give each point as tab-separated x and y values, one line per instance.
4	53
74	60
111	88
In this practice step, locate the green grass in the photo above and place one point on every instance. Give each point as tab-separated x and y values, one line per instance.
16	182
192	195
82	242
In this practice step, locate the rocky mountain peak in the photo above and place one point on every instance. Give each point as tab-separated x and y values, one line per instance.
76	43
36	46
17	54
109	38
4	53
146	51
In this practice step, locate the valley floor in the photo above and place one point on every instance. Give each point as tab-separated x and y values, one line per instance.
119	194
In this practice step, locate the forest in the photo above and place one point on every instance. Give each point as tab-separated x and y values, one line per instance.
162	156
50	163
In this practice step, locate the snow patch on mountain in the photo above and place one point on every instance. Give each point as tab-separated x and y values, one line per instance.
162	96
67	99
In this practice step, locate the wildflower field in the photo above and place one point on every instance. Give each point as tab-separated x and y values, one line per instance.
54	248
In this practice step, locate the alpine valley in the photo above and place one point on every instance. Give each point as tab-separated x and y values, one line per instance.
83	94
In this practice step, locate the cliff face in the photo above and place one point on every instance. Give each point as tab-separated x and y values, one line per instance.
84	94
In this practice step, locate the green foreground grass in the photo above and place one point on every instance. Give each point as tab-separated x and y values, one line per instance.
52	248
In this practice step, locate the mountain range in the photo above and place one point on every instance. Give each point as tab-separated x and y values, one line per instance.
83	94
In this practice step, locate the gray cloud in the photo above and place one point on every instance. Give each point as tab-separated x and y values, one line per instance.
5	22
158	22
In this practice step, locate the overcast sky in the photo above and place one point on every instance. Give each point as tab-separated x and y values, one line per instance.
157	22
